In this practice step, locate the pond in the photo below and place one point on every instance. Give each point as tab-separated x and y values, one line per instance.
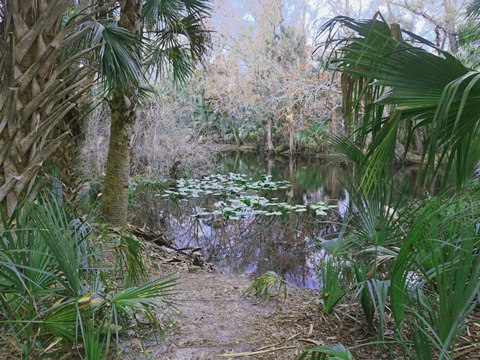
287	243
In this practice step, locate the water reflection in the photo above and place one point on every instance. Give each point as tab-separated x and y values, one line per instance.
285	244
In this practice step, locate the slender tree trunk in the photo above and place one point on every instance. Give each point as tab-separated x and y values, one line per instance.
291	140
269	166
269	135
451	26
123	117
418	138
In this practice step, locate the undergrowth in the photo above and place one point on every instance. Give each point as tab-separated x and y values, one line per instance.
60	295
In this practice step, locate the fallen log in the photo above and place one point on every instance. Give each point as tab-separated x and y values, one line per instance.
156	237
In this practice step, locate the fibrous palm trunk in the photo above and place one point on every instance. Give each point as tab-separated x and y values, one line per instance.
123	117
37	91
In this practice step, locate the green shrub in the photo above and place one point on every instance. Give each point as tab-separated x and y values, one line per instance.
54	290
333	283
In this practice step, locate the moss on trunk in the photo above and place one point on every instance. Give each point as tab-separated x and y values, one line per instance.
123	117
115	195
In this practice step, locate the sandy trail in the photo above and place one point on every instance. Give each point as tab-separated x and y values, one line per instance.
220	320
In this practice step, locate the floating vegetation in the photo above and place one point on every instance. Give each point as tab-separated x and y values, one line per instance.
247	205
223	185
240	196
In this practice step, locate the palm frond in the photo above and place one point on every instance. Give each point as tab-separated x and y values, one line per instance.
155	292
436	92
344	145
144	299
435	280
325	352
62	321
63	242
120	69
95	342
178	36
155	13
266	284
51	290
333	283
129	256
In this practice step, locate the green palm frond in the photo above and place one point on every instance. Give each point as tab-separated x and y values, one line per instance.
473	9
128	254
325	352
120	67
425	90
95	343
347	147
144	299
153	293
266	284
52	290
112	51
62	321
65	244
333	283
175	58
435	280
177	36
25	258
157	12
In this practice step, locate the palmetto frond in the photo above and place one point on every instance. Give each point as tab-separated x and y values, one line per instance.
51	287
112	51
177	37
158	12
323	352
422	89
435	280
120	67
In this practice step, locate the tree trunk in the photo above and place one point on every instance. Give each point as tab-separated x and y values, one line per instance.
123	117
269	135
291	140
450	13
418	140
236	134
37	92
115	194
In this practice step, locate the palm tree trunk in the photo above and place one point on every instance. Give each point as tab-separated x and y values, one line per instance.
37	94
123	117
115	198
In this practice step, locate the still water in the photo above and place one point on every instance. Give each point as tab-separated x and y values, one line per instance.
287	244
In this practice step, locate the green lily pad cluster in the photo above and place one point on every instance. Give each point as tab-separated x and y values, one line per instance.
240	196
321	208
239	208
222	185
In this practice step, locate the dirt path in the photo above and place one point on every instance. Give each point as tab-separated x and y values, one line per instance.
220	321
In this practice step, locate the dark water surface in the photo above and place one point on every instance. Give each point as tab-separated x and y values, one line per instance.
286	244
